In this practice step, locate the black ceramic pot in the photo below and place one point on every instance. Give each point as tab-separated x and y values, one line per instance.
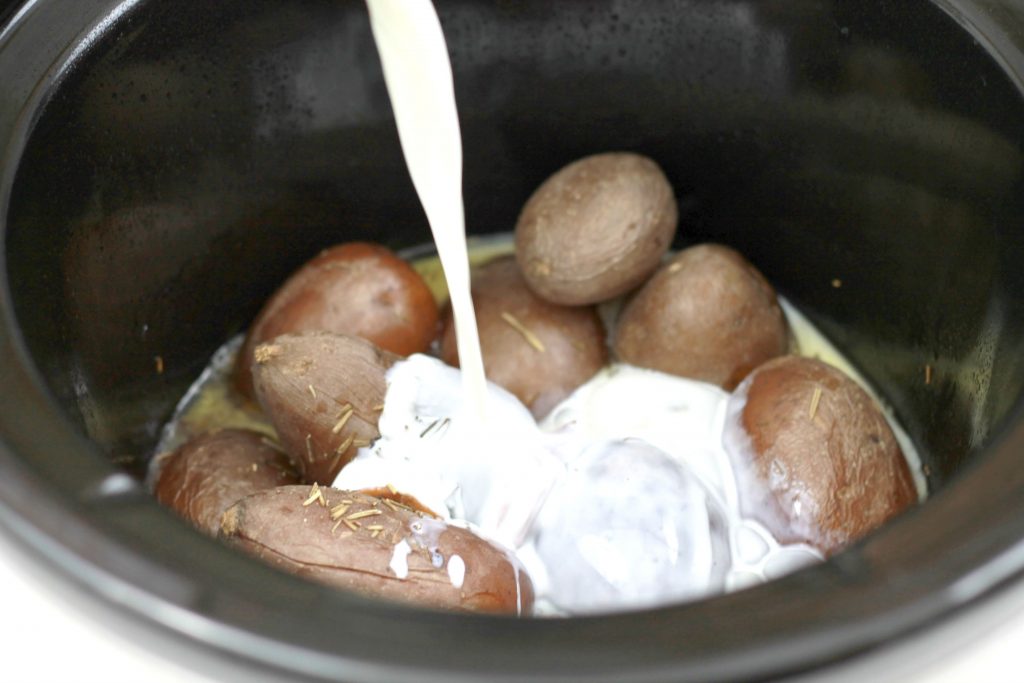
166	164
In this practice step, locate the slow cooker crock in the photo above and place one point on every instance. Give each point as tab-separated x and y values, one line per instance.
166	164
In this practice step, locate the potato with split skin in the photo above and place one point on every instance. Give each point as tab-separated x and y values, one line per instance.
357	289
537	350
596	229
816	461
209	473
379	548
707	315
406	499
323	393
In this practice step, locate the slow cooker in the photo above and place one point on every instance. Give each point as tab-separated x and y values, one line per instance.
166	164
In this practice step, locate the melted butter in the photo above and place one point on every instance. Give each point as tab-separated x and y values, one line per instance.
211	403
481	250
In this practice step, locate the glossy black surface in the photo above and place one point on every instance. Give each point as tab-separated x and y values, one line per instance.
162	173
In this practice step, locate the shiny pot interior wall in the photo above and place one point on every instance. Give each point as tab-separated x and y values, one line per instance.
867	156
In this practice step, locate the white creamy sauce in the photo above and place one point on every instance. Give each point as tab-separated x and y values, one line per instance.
456	570
623	498
495	478
399	563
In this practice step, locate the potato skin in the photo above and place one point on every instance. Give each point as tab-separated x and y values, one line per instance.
818	467
358	289
404	499
707	315
307	383
208	474
596	228
573	338
368	557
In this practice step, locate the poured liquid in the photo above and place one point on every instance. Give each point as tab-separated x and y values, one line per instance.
419	80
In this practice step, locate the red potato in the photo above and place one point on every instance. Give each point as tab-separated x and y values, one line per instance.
596	229
357	289
538	350
405	499
211	472
815	458
323	393
707	315
379	548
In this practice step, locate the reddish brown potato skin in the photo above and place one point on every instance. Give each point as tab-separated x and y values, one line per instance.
307	382
405	499
305	540
573	338
596	228
211	472
707	315
836	454
357	289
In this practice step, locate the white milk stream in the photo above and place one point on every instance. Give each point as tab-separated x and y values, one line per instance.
419	80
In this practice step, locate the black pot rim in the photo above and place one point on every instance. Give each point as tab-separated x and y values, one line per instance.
110	538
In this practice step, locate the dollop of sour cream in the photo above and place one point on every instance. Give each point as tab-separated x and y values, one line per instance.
622	498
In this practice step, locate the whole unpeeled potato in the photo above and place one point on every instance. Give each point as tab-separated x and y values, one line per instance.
323	393
379	548
596	228
707	315
816	461
358	289
211	472
538	350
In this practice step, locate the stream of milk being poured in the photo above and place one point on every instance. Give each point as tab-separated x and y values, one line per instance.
418	74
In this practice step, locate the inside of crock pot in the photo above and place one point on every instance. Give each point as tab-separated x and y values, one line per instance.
865	156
